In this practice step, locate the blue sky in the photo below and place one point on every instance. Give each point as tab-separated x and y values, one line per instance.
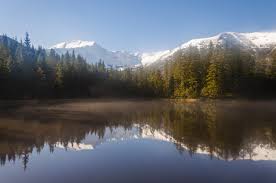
133	25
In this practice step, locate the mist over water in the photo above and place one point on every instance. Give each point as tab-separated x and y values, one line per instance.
133	140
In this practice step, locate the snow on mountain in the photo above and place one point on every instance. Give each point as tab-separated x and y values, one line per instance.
94	52
256	40
73	44
149	58
250	40
261	39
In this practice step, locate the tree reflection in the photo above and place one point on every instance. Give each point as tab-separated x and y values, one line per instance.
227	130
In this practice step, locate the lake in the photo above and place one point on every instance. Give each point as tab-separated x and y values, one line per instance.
137	141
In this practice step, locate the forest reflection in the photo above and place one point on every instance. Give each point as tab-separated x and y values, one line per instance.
227	130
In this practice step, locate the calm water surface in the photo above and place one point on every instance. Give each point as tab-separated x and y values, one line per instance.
137	141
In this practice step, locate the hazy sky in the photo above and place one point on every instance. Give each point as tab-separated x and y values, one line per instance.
134	25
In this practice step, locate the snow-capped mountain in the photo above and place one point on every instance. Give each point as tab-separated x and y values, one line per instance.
251	41
73	44
94	52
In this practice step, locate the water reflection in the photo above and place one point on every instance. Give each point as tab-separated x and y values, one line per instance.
228	130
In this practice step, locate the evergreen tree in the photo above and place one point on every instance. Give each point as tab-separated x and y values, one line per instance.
187	74
5	61
59	76
27	41
214	78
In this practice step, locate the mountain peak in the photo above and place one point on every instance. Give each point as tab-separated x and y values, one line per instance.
73	44
249	41
93	53
253	40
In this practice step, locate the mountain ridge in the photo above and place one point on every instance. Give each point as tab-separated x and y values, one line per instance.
251	41
73	44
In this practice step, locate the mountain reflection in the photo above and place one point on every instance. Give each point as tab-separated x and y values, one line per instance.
226	130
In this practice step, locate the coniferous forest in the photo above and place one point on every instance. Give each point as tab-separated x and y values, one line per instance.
27	73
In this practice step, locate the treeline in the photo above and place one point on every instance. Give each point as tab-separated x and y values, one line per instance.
216	72
26	72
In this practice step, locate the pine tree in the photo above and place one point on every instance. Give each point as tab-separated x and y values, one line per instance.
273	67
27	41
270	65
170	91
19	58
156	81
213	84
5	61
59	76
187	73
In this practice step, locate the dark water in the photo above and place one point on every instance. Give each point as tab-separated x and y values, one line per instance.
137	141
